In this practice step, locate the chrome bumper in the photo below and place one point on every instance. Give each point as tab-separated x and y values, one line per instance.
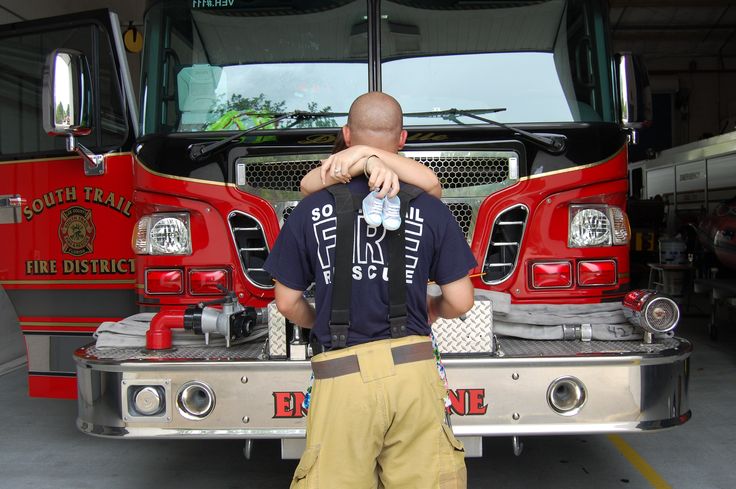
629	387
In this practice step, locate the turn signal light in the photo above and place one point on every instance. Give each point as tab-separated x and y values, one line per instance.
164	281
554	275
209	282
598	272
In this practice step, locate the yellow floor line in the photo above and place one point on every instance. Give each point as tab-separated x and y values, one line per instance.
639	463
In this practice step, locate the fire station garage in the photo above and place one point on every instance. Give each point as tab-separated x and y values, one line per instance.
151	152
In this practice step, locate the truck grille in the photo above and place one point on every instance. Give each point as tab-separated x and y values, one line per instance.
455	169
462	171
503	248
467	178
281	174
252	248
464	215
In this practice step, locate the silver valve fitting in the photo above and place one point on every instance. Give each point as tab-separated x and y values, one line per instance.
231	320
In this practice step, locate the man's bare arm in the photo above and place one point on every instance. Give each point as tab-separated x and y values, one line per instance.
292	304
455	300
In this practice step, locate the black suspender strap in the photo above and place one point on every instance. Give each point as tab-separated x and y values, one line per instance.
346	206
397	265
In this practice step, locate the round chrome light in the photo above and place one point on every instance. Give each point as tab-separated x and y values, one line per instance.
566	396
661	315
195	400
148	401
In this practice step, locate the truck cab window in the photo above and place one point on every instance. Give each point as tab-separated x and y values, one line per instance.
22	59
525	63
214	69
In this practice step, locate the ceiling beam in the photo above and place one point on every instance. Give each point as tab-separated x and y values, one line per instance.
674	27
669	3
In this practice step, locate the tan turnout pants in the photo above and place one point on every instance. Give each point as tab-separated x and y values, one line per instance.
382	427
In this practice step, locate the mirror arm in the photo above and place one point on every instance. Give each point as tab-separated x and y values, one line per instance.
94	164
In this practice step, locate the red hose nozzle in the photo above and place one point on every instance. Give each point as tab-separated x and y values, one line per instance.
158	336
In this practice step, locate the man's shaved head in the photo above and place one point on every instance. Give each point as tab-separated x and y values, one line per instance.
375	119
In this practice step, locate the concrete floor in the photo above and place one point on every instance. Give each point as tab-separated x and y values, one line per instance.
41	448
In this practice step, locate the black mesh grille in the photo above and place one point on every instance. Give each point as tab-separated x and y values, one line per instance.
278	175
287	212
252	248
463	215
467	171
452	171
503	249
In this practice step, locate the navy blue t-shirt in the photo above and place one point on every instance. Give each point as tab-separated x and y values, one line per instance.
305	252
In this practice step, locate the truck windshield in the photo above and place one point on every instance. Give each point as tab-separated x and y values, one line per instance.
219	65
545	61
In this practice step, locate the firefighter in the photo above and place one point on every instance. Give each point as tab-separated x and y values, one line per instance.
377	413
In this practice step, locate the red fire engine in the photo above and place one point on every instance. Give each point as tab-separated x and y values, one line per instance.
148	220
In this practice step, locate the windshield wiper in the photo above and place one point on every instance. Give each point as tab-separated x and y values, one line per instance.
551	143
200	150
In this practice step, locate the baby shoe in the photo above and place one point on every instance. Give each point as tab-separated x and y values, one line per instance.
391	213
372	209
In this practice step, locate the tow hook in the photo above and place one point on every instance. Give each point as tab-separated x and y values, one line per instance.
518	445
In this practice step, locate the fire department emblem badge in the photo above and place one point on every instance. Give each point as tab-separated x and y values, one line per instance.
76	231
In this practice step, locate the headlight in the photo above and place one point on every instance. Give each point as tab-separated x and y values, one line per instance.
597	225
163	234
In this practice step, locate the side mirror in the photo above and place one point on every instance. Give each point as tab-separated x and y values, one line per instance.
67	101
67	104
635	96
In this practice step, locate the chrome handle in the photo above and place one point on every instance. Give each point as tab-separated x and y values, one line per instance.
12	201
10	206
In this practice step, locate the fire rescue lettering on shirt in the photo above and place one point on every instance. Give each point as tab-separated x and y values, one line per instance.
369	261
64	195
464	402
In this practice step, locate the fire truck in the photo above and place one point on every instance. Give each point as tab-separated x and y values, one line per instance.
146	220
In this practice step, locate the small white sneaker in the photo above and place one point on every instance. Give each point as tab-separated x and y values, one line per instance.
372	209
391	213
